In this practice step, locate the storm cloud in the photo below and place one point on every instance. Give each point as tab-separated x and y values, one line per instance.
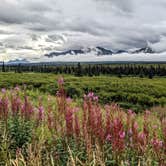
31	28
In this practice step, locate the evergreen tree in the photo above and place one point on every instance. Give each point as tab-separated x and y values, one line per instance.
3	67
79	70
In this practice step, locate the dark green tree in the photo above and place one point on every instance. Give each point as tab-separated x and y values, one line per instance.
78	70
3	67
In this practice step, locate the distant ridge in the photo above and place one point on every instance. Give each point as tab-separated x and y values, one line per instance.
99	51
144	50
96	50
17	61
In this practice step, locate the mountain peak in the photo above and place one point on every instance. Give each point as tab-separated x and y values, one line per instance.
99	51
95	50
145	50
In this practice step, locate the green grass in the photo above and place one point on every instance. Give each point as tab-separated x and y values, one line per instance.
130	92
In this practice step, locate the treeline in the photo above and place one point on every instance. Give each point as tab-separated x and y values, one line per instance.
142	70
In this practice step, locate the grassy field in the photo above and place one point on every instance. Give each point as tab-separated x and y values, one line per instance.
130	92
39	129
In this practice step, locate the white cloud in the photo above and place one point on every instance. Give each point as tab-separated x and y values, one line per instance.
159	46
61	24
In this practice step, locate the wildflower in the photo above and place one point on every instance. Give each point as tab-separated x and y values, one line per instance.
60	81
69	120
156	144
41	113
68	100
95	98
108	121
17	88
135	125
142	141
3	90
122	134
15	104
118	135
76	109
108	138
4	107
155	127
147	112
77	126
141	135
130	112
90	95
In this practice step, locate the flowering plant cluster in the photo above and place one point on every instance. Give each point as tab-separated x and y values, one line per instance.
61	131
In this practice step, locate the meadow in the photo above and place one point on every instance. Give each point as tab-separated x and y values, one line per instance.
129	92
47	119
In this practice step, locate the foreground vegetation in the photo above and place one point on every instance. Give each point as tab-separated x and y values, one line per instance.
130	92
58	131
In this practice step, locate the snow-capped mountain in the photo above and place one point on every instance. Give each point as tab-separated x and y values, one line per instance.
144	50
95	50
90	54
99	51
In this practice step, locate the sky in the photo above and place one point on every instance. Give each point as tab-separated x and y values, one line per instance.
31	28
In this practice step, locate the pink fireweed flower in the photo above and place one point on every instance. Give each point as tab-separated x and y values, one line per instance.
108	138
69	100
142	141
15	104
107	108
157	144
95	98
130	112
122	134
147	112
26	108
90	95
3	90
17	88
135	125
146	115
108	120
69	117
60	81
155	127
115	106
141	136
76	109
4	106
118	135
40	113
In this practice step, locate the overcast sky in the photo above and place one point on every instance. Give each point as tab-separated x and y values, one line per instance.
31	28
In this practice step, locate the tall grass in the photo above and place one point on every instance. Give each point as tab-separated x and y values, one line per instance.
61	132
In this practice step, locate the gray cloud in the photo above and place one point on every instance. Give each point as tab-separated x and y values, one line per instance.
39	26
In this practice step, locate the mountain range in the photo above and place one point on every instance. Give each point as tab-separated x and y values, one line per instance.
99	51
